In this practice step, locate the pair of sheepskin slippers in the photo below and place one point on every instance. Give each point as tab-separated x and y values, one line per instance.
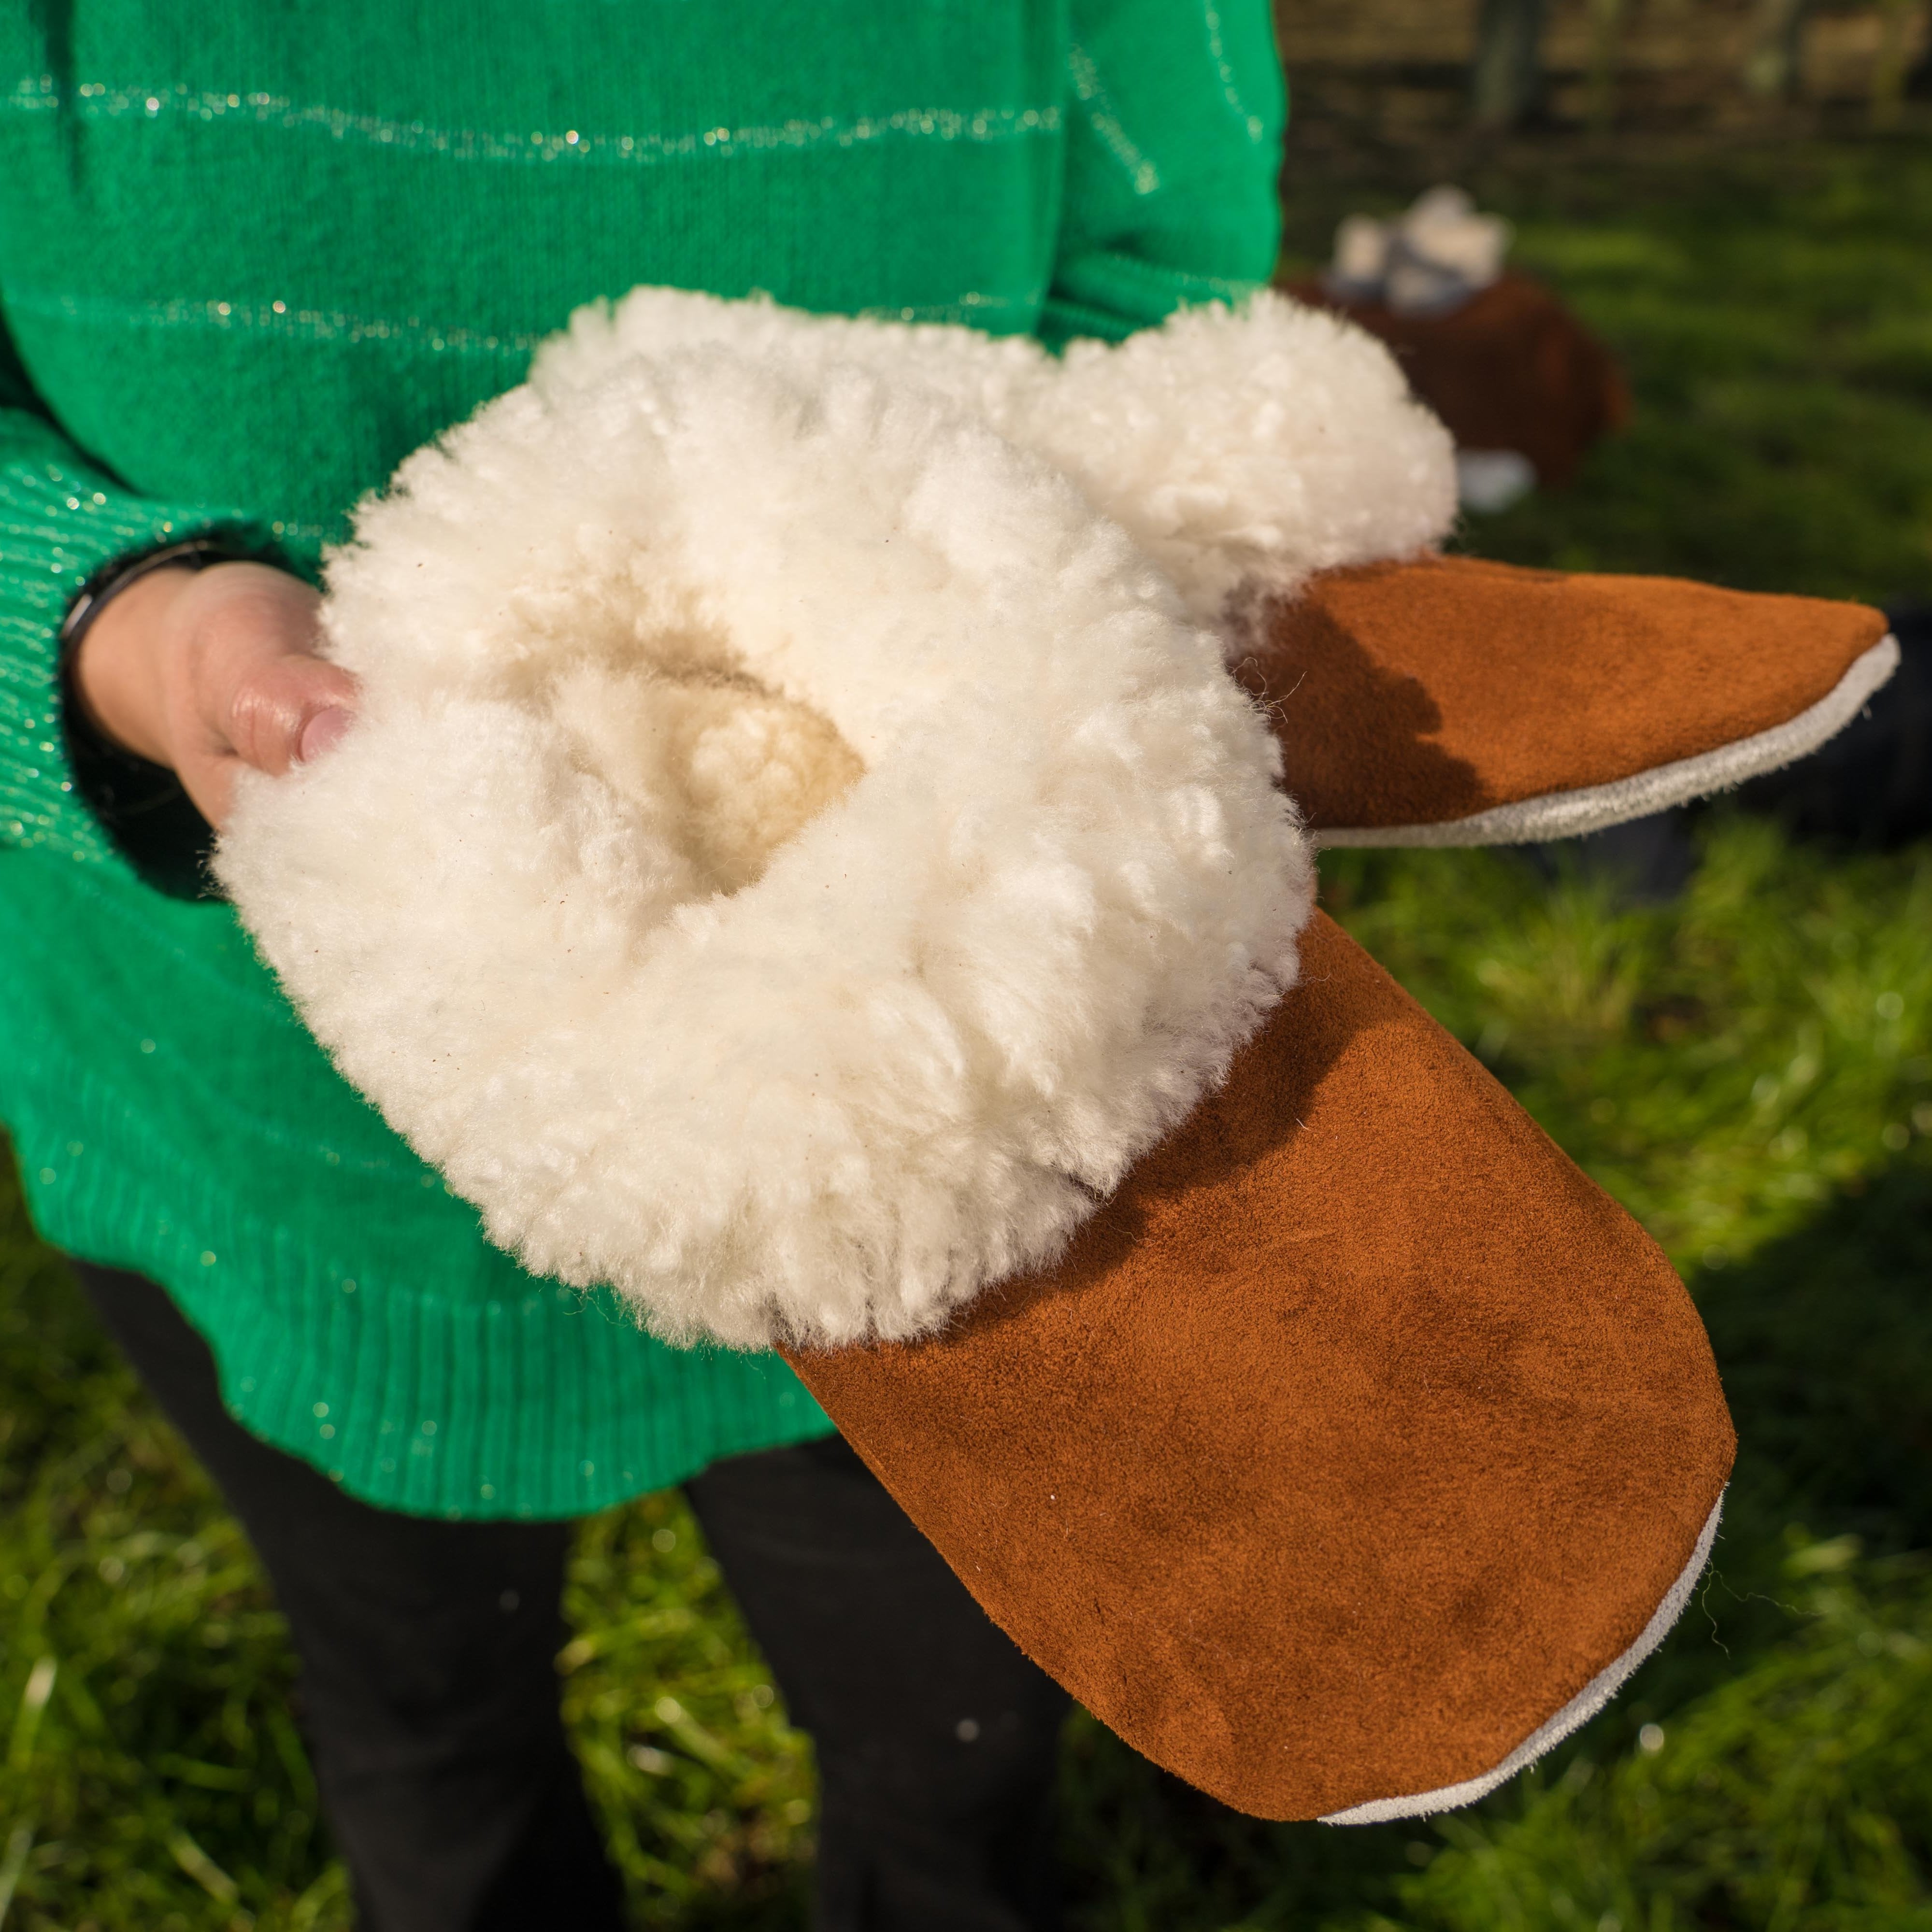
804	860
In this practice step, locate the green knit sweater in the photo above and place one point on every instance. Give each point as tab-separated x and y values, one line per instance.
253	254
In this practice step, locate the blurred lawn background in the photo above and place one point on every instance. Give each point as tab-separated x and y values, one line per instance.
1750	1069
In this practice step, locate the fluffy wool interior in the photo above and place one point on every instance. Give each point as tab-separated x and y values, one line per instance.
723	770
799	846
1241	448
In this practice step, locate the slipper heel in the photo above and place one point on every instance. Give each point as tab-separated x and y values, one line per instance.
1355	1451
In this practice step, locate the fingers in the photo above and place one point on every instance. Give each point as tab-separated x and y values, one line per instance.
252	692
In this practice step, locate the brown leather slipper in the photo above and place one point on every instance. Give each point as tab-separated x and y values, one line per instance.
1358	1449
1452	702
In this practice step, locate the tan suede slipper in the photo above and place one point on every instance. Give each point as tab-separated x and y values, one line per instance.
1357	1450
850	862
1451	702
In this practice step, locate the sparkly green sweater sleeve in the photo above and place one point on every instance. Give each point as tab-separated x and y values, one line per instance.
250	257
61	519
1175	113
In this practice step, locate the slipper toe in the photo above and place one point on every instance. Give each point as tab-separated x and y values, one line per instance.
1454	702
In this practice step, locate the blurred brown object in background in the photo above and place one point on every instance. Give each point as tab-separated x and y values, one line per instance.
1511	368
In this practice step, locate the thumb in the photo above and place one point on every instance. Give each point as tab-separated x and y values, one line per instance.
289	710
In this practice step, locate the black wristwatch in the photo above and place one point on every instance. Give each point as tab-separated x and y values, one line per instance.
141	804
111	579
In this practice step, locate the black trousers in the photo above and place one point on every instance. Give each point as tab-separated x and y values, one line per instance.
430	1695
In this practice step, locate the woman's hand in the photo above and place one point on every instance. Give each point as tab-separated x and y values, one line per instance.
206	670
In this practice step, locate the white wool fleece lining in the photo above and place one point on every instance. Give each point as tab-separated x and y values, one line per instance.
795	854
1242	448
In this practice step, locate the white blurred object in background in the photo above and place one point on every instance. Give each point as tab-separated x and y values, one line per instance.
1488	480
1431	260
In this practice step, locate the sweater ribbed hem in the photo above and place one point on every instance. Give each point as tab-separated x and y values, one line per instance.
553	1404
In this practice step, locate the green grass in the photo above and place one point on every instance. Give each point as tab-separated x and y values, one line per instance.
1750	1069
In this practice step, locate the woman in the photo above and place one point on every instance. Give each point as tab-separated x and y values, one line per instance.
249	258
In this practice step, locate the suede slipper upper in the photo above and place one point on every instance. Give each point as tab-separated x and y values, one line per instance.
1448	702
1357	1451
1264	457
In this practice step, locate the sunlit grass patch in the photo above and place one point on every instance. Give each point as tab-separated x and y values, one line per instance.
1722	1064
1771	307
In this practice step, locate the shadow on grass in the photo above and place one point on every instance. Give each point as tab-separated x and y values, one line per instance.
1824	1339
